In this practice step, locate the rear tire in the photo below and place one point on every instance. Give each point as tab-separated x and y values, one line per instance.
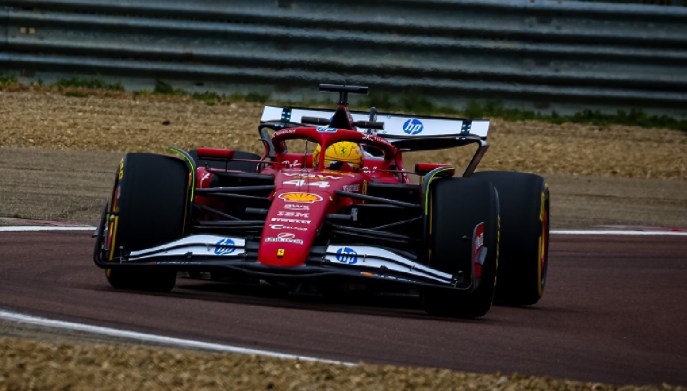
150	206
525	236
457	206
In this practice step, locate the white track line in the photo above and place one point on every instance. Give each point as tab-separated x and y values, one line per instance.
144	337
40	228
553	232
619	232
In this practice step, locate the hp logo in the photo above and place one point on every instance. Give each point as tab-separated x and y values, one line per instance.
347	255
225	247
413	126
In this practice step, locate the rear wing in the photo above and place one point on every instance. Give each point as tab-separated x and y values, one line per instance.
404	131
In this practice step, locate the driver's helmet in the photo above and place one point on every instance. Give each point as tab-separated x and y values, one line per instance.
338	155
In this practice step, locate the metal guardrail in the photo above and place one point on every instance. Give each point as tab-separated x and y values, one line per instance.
546	55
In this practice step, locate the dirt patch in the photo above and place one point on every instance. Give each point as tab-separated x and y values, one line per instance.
32	364
588	167
124	122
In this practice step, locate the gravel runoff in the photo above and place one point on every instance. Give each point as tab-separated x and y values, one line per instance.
31	363
34	359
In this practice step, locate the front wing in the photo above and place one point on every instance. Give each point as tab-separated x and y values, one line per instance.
214	252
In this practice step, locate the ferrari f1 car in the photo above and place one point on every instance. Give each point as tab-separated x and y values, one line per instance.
330	204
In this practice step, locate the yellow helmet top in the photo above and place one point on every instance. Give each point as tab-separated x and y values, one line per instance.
343	151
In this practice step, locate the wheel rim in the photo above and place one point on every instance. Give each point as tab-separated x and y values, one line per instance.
113	222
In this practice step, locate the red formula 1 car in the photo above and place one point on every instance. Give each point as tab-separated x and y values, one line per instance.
330	204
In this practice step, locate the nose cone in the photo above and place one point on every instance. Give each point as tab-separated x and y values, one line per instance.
291	228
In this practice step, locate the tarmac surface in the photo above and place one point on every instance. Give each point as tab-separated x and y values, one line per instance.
614	312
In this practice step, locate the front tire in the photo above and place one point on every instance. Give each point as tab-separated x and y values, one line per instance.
149	207
525	236
457	207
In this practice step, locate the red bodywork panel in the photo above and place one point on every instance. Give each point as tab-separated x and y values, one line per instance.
302	199
303	195
215	153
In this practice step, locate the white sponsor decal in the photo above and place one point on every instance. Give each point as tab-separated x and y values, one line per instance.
297	206
286	235
285	131
318	177
283	240
376	139
352	188
287	213
304	182
280	227
294	221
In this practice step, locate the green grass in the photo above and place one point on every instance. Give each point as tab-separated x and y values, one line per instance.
7	80
164	88
96	83
250	97
210	98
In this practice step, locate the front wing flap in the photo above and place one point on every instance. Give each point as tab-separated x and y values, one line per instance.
216	252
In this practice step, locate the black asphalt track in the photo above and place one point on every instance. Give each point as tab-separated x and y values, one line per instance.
614	311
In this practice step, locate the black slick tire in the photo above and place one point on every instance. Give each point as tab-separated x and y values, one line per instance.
457	206
524	260
150	207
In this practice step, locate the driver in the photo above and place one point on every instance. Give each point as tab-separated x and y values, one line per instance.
344	155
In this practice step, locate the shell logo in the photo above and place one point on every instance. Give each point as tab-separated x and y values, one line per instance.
307	198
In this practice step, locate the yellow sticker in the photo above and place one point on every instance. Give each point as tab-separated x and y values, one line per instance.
280	252
307	198
121	169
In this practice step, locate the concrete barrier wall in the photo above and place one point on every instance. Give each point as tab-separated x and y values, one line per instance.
542	55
